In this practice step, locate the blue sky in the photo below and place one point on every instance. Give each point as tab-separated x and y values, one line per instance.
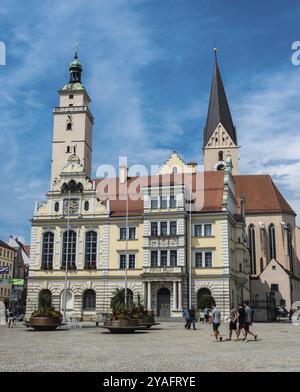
148	69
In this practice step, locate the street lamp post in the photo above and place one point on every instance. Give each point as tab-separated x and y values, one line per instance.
190	255
67	256
126	245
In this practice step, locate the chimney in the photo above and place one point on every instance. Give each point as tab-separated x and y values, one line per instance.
123	174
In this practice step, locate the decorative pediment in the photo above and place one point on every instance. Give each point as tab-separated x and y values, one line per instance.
175	165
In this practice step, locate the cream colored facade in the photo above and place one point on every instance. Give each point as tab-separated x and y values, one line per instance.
158	260
7	255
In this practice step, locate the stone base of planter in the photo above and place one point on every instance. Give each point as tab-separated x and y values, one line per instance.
43	323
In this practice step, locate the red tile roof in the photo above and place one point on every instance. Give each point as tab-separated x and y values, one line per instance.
209	182
261	194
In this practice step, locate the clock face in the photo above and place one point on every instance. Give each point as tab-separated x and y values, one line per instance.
220	165
71	206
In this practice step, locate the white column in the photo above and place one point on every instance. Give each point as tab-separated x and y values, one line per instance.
149	296
179	296
174	296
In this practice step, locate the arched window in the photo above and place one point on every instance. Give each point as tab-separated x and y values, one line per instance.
47	250
89	300
252	250
290	248
272	242
204	298
220	155
90	249
69	249
45	299
86	205
174	170
69	126
56	206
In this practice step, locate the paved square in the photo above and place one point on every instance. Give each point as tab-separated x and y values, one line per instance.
168	347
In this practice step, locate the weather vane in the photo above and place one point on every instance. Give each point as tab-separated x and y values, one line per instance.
76	46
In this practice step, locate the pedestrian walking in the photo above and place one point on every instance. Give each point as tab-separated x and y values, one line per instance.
248	322
186	316
241	321
10	319
233	322
206	314
216	321
192	318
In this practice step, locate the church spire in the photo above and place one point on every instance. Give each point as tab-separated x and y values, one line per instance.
218	109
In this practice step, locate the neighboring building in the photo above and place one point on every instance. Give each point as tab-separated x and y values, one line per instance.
20	274
270	220
82	223
7	255
159	228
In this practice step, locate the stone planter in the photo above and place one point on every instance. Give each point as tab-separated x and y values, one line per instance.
44	323
123	326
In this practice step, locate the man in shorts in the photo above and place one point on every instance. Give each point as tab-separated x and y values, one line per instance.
216	321
233	321
248	322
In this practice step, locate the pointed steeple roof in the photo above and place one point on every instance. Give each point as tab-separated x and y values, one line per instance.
218	109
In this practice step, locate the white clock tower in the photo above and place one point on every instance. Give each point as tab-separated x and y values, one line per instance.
73	122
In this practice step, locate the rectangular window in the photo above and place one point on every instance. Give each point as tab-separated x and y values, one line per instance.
131	233
198	259
207	230
131	261
122	261
173	228
154	228
71	96
163	228
274	287
163	202
154	204
163	258
172	202
208	259
173	258
198	230
154	258
123	233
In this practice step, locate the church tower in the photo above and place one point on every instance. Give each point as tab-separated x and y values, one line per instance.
73	122
219	134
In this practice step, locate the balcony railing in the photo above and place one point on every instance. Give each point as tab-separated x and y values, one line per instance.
63	109
90	265
71	265
46	266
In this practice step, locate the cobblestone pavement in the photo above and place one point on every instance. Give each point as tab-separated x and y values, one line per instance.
167	347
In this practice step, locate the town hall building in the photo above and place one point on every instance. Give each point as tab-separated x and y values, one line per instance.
179	235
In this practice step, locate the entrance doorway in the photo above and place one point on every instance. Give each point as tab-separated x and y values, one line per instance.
163	303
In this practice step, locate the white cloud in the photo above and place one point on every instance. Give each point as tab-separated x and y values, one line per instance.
268	126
